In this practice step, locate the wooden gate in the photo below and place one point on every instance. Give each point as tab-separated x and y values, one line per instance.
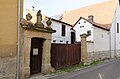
65	55
36	55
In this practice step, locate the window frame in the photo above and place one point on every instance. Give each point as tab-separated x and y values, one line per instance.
63	30
117	27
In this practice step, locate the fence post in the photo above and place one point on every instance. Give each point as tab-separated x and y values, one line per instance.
83	48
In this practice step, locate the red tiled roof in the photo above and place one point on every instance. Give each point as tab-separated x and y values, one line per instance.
103	13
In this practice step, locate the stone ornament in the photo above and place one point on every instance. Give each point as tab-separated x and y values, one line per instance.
25	22
28	16
39	19
48	22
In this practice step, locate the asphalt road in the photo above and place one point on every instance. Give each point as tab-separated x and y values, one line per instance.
109	70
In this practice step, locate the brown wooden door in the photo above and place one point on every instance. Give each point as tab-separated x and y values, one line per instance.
35	55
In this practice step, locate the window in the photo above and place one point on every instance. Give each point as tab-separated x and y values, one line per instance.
67	42
101	35
54	40
63	30
61	40
117	27
119	2
89	32
81	26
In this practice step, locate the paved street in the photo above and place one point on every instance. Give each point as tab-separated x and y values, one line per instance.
110	70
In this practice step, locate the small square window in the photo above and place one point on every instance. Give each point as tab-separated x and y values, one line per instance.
67	42
54	40
89	32
84	21
81	26
61	40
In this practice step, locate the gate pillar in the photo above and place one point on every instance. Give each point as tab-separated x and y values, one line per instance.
83	48
46	56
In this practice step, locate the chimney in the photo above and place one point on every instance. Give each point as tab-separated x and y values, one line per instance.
90	18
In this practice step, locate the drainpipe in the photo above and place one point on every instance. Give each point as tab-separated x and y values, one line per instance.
115	39
18	44
110	43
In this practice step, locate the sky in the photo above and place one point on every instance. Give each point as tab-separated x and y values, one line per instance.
55	7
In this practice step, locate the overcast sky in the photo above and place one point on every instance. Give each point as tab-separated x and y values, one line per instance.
54	7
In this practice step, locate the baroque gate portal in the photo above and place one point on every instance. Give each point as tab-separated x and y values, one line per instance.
35	46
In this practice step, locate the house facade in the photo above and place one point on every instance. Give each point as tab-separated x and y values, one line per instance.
83	26
64	32
8	37
98	38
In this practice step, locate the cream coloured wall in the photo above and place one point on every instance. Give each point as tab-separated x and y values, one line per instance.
8	37
8	27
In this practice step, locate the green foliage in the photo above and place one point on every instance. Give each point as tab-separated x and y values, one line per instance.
76	67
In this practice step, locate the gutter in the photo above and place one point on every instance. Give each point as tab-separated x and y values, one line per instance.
18	43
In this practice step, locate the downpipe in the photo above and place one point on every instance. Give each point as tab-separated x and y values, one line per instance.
110	43
115	39
18	43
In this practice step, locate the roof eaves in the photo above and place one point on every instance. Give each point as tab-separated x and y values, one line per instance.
100	27
61	22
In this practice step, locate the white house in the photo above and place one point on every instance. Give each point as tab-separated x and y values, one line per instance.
115	33
64	32
104	40
98	39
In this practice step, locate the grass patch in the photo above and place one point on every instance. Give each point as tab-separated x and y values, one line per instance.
95	62
76	67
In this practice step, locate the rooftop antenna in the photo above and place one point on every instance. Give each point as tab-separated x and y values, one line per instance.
33	8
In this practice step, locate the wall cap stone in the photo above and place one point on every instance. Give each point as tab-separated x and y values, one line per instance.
39	29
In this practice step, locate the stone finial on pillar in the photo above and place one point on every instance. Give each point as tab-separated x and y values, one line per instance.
48	22
39	19
83	48
28	16
27	22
